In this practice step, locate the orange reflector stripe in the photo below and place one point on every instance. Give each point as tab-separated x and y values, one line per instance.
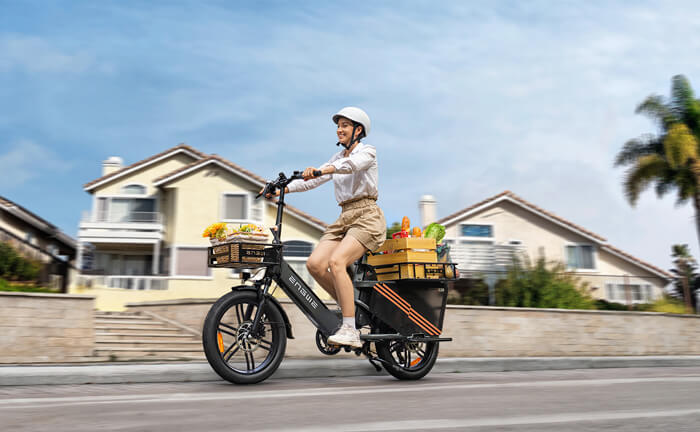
388	292
220	341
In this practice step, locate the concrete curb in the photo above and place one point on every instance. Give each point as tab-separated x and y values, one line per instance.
113	373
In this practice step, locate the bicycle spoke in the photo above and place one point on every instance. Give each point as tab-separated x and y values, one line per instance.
239	313
265	344
249	360
229	352
233	333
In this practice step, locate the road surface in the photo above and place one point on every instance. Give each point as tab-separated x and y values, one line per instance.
653	399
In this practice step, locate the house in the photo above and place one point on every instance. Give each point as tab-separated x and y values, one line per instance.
36	238
486	236
142	240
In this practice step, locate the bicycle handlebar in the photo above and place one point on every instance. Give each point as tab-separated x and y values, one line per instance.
282	181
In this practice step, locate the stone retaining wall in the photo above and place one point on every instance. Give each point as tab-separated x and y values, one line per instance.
45	328
507	332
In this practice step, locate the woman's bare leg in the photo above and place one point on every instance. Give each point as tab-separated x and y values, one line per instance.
318	263
347	252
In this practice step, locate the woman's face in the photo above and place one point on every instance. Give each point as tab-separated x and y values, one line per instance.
345	130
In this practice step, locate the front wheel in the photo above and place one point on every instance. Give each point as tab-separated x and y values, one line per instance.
236	353
408	360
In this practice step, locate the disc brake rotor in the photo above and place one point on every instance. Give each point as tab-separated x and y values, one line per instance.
245	340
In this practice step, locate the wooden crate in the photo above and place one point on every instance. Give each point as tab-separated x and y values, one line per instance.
404	250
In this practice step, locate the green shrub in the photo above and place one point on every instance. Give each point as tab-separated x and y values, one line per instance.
667	305
542	286
601	304
15	267
7	286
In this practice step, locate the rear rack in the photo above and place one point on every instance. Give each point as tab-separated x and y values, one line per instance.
416	271
243	255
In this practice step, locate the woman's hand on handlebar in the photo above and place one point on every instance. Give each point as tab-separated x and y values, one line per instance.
312	172
269	195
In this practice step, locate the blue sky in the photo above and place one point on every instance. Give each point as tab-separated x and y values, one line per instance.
467	98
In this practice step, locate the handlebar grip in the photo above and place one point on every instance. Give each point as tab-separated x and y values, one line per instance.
317	173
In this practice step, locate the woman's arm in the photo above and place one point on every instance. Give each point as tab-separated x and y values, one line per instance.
304	185
358	161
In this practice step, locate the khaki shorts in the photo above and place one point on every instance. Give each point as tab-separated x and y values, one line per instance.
363	220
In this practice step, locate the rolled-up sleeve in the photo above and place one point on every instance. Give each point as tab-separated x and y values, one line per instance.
357	161
304	185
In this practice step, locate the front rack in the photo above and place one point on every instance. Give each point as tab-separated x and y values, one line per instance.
243	255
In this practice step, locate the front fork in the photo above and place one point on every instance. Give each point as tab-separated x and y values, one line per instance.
263	288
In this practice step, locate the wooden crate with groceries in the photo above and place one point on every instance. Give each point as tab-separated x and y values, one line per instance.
413	254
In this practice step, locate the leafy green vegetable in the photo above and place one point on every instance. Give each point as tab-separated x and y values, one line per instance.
436	231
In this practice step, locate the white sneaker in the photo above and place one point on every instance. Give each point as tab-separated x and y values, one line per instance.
346	335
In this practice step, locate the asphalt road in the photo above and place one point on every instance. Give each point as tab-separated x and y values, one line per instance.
653	399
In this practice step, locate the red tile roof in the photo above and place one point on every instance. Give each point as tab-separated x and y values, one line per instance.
144	162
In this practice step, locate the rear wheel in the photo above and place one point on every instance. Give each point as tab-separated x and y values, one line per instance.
407	360
236	353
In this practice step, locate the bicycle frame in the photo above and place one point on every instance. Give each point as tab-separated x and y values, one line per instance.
293	285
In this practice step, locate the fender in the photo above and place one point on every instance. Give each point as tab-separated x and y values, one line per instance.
287	324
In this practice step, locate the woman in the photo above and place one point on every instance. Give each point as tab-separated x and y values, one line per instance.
361	225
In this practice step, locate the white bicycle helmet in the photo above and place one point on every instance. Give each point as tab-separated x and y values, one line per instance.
356	115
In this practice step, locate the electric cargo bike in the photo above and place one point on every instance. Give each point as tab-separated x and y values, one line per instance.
245	332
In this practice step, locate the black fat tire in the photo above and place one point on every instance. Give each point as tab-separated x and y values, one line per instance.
210	343
412	373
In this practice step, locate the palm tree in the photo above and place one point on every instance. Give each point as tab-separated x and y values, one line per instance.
686	277
671	159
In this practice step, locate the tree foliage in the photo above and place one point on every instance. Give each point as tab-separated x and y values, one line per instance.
685	271
15	267
394	228
671	159
542	285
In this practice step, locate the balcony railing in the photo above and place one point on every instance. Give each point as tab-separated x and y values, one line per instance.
484	258
131	217
139	283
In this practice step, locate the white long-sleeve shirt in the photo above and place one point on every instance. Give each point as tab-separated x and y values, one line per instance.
355	176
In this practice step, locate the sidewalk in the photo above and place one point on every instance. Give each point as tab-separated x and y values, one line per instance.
119	373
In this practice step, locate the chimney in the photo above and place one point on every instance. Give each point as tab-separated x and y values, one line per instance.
428	210
114	163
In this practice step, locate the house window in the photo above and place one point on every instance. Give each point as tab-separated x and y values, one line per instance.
637	293
296	253
235	207
133	210
469	230
190	261
134	190
296	248
240	207
580	257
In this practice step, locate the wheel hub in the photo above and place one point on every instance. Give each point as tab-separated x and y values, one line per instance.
245	339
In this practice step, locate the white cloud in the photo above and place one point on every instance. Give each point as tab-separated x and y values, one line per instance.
37	55
26	161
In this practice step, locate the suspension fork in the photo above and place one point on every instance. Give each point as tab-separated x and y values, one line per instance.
262	302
